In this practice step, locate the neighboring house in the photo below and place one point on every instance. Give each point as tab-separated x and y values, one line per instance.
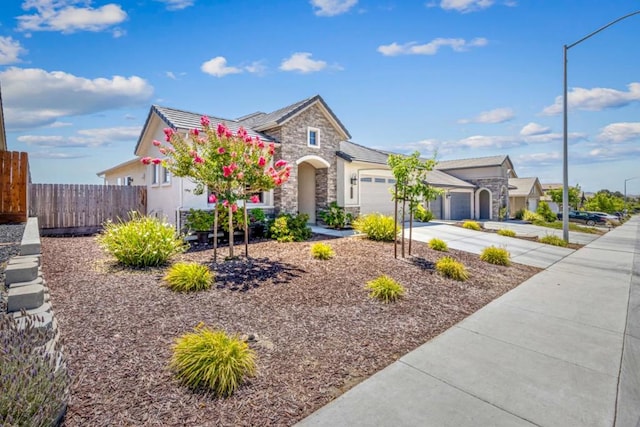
524	193
3	133
326	168
547	198
131	172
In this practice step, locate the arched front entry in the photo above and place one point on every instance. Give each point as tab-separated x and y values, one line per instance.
484	204
311	186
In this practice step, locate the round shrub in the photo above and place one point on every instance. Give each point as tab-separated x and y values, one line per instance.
422	214
438	245
493	255
385	289
188	276
532	217
550	239
452	269
213	360
322	251
544	210
506	232
142	241
471	225
377	227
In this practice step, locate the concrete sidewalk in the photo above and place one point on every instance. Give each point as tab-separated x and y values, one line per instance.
561	349
539	231
522	251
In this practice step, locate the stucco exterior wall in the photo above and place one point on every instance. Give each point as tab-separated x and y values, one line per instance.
118	176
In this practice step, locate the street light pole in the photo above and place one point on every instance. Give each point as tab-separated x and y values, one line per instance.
625	192
565	144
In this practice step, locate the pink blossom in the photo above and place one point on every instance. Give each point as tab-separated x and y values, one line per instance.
234	154
262	161
221	129
240	176
168	133
242	132
193	153
228	133
260	144
225	203
195	132
157	143
280	163
204	121
201	141
146	160
234	208
255	199
156	161
212	198
248	140
198	160
221	150
162	150
226	171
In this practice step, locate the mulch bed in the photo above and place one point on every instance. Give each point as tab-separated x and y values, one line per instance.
318	333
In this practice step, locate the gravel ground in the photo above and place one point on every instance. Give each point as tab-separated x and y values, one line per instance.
318	334
10	237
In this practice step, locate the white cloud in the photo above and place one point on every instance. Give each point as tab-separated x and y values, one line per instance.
620	132
595	99
483	141
431	48
84	138
332	7
176	4
56	156
58	124
174	76
540	159
34	97
256	67
217	67
534	129
465	6
69	16
10	50
302	62
498	115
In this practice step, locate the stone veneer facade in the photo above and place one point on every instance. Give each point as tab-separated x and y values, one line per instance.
292	136
494	185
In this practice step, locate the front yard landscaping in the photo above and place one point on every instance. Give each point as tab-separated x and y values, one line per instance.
314	328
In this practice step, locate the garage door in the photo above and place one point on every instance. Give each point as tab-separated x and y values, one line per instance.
460	205
375	195
436	207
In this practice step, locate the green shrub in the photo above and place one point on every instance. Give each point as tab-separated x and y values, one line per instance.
502	213
385	289
188	276
335	216
142	241
472	225
422	214
290	228
199	220
519	214
223	219
506	232
34	383
213	360
545	212
532	217
438	244
377	227
452	269
322	251
550	239
493	255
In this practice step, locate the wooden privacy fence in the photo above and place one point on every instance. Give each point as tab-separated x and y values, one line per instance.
14	180
81	208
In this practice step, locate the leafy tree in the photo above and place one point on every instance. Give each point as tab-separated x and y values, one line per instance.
411	186
605	201
574	196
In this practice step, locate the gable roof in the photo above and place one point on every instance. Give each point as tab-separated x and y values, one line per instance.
262	121
523	186
3	134
437	178
353	152
121	165
477	162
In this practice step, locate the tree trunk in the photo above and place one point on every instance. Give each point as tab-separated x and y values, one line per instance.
410	229
215	234
395	220
404	206
246	231
230	231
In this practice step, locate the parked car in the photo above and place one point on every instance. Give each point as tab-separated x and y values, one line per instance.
583	217
613	219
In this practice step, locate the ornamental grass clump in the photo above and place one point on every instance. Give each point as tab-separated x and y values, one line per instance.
385	289
494	255
506	232
452	269
438	245
34	383
377	227
188	276
212	360
471	225
142	241
550	239
322	251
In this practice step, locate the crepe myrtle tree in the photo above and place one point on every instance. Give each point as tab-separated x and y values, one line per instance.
232	166
411	187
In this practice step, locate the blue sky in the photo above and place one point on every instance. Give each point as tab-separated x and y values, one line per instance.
467	78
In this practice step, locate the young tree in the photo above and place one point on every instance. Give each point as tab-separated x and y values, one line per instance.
574	196
411	187
231	166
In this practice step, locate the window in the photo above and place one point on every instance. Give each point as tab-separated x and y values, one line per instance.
155	172
380	180
166	176
366	179
128	180
313	137
391	181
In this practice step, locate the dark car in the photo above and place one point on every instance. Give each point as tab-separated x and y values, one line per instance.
582	217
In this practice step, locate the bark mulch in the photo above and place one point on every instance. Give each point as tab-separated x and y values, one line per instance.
318	334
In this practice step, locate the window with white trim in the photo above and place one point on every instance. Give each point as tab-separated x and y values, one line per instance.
155	174
166	176
313	137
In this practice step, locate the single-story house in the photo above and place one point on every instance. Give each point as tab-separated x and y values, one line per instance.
524	193
327	168
547	198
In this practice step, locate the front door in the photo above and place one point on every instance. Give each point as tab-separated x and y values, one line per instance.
307	190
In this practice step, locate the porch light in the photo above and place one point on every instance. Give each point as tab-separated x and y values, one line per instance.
448	195
354	179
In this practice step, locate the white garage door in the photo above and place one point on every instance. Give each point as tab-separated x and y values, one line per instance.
375	195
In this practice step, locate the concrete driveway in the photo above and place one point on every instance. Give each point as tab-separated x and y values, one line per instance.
539	231
522	251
